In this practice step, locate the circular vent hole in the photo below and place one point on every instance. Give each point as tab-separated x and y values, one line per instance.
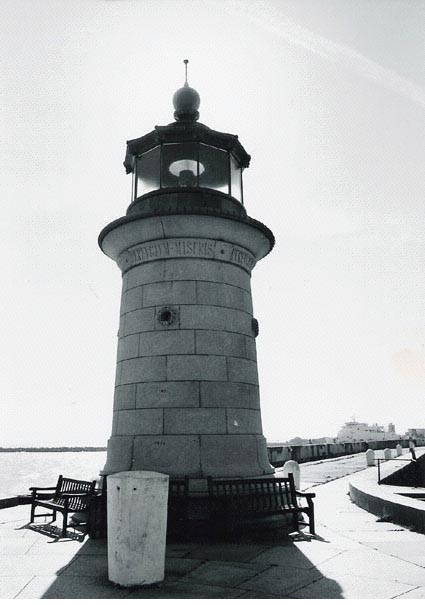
165	316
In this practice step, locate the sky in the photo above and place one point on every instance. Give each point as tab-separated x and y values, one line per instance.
328	97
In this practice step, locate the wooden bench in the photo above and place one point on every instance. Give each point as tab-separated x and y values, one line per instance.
239	499
178	503
68	496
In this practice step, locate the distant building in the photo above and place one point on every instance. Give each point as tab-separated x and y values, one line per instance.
361	431
414	433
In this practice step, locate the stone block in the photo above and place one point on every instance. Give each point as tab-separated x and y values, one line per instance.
193	269
121	326
215	342
243	421
169	293
196	367
125	397
236	276
223	394
114	422
209	293
163	342
143	369
242	370
119	455
128	347
167	394
206	317
175	455
140	422
250	348
124	282
147	273
131	300
194	421
118	370
233	456
141	320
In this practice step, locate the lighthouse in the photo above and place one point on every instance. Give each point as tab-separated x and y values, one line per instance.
187	400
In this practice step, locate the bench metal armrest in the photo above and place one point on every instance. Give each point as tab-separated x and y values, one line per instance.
42	492
308	495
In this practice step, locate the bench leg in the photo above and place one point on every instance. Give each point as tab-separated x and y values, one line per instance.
65	523
311	519
33	505
296	523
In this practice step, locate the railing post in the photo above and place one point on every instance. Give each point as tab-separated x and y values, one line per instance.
379	472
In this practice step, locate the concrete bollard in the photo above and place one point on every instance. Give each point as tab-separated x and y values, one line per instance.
370	458
387	453
399	450
291	466
137	527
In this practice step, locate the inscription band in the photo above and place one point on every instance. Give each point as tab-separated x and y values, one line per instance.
186	248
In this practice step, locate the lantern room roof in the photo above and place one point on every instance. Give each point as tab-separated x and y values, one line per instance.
182	132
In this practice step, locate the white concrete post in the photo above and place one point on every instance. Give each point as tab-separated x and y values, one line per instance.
137	526
370	458
387	453
399	450
291	466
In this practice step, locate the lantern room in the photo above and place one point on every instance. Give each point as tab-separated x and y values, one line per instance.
186	154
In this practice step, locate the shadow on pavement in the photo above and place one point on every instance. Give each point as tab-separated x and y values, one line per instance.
253	563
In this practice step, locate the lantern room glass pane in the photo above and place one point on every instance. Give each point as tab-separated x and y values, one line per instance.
179	165
213	168
235	179
147	171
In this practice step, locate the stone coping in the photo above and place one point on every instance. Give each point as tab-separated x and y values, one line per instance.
390	502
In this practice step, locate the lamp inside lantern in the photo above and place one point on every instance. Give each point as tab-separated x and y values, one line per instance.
186	171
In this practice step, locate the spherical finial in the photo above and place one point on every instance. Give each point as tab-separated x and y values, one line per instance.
186	101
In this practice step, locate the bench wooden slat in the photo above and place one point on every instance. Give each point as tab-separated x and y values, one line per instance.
70	496
229	498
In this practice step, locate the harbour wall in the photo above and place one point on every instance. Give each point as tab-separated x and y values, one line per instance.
279	454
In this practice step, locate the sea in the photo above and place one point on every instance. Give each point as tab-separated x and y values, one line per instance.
21	470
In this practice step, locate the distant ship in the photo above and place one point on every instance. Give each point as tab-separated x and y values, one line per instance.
361	431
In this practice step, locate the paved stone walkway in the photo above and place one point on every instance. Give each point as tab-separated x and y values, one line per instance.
354	555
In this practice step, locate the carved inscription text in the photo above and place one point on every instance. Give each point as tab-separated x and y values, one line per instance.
186	247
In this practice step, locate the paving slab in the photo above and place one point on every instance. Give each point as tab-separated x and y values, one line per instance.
227	552
349	587
415	593
377	565
177	566
11	586
281	581
299	555
53	587
180	549
88	565
216	573
252	594
32	565
16	545
184	590
410	551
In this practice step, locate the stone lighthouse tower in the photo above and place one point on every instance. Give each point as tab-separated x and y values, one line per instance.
186	393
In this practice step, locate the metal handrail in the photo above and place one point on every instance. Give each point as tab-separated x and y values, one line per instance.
390	460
